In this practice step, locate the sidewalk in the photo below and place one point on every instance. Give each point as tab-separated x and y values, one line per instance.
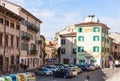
115	76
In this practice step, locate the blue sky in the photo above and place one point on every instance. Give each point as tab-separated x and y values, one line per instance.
57	14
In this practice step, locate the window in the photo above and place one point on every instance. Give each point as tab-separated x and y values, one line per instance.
33	47
62	50
82	61
103	49
24	46
12	59
95	38
75	41
18	27
74	50
81	49
12	38
12	25
92	61
17	41
80	29
62	41
6	40
102	38
1	61
6	22
95	49
80	38
103	30
31	36
1	20
96	29
0	39
115	47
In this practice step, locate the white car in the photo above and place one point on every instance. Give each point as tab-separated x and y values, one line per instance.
43	71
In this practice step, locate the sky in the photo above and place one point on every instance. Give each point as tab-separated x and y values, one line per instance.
57	14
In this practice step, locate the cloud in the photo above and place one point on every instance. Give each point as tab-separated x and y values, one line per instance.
112	23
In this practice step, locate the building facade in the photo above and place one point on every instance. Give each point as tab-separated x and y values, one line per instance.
29	35
68	48
50	52
93	46
42	50
9	40
115	53
66	44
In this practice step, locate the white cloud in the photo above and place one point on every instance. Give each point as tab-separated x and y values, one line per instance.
112	23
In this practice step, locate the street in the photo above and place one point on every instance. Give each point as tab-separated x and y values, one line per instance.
97	75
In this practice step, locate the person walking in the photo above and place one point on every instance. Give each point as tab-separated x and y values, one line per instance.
87	77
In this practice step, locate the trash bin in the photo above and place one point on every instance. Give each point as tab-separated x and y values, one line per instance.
22	76
2	79
7	78
30	76
15	77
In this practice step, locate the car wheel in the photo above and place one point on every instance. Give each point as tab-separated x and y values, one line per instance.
45	74
36	73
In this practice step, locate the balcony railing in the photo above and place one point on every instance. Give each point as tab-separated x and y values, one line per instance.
33	28
33	51
38	41
27	38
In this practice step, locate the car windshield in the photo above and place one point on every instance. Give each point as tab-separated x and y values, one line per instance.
45	69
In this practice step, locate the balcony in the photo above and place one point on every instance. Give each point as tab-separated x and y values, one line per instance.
33	51
27	38
33	28
38	41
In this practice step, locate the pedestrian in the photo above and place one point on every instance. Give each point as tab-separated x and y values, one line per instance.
87	77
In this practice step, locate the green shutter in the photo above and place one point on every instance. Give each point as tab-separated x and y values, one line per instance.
93	38
82	49
78	49
98	38
98	29
78	38
93	49
97	49
82	38
80	30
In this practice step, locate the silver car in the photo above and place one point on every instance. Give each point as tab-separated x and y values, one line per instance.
52	67
43	71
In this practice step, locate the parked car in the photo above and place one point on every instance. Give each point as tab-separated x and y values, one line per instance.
43	71
90	67
79	70
63	73
83	67
52	67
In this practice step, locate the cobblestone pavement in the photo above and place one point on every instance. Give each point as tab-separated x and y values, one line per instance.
97	75
115	76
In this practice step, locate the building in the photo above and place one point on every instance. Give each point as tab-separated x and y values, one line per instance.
66	45
68	48
50	52
115	53
93	46
9	40
42	50
29	35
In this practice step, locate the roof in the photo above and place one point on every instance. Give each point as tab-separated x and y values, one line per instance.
72	34
10	13
24	10
91	24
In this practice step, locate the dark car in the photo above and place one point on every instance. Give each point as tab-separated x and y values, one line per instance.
63	73
83	67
